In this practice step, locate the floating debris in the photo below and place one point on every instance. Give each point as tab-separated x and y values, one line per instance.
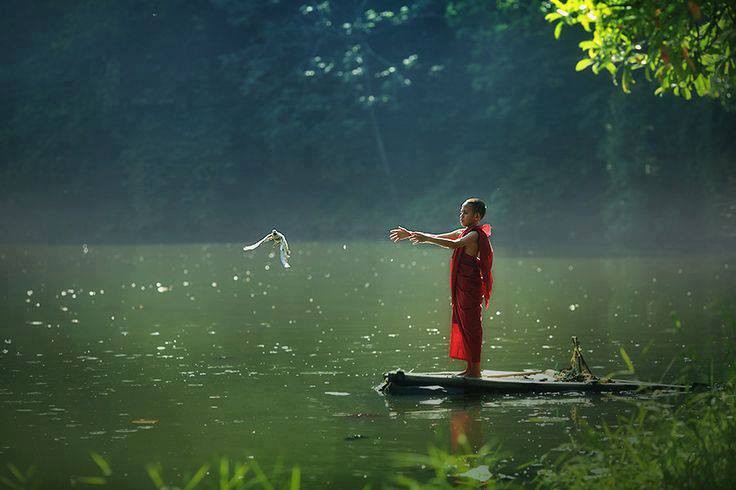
356	437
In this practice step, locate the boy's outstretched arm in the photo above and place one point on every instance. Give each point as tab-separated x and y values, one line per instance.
401	233
419	237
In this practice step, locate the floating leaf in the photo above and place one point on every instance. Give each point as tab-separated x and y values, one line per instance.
480	473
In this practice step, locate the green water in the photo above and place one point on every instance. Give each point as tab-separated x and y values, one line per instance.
177	354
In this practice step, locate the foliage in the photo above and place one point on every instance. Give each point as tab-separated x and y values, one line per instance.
467	469
18	479
223	474
686	47
231	475
179	121
690	447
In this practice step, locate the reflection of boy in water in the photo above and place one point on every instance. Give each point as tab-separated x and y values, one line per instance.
470	279
466	430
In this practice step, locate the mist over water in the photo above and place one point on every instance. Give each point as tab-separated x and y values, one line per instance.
177	353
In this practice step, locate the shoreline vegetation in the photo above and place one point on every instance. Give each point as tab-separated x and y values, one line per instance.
688	444
691	446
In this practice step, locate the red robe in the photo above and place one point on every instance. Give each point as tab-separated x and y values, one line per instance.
471	283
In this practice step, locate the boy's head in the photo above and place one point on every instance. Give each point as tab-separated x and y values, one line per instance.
472	211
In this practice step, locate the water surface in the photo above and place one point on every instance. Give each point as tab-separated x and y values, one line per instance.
176	354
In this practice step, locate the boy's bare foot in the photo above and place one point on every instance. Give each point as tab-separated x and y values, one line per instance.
473	371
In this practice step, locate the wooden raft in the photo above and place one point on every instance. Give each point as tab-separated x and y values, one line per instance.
401	382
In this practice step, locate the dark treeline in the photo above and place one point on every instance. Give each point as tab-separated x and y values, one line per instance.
147	121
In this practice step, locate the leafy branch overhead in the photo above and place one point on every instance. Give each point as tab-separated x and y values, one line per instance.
686	47
348	52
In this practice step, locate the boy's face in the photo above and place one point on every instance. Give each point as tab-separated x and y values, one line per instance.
467	216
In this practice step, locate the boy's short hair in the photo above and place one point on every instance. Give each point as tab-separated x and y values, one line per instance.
477	206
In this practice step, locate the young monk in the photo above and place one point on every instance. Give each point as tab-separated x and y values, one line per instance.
471	280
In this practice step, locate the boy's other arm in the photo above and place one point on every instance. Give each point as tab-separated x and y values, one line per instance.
452	235
419	237
399	233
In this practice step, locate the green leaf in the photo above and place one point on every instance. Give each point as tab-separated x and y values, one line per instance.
558	29
583	64
584	22
296	477
224	472
102	464
626	81
588	44
194	481
552	16
627	360
154	472
700	85
91	480
9	483
16	472
686	93
261	477
241	469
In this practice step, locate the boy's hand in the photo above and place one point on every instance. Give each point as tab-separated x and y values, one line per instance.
398	234
418	237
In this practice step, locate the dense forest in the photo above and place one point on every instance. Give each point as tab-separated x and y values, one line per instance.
148	121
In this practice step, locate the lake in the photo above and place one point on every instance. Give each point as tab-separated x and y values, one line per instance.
180	353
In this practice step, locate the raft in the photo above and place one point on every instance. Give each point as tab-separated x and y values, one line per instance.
400	382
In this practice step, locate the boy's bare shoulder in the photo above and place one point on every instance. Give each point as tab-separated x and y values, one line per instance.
472	235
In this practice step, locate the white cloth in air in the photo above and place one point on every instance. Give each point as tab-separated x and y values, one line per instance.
277	239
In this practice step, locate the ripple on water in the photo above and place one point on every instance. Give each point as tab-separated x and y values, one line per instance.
436	414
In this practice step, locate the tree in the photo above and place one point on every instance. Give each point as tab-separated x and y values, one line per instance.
685	47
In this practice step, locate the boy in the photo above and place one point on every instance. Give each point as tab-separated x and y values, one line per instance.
470	279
